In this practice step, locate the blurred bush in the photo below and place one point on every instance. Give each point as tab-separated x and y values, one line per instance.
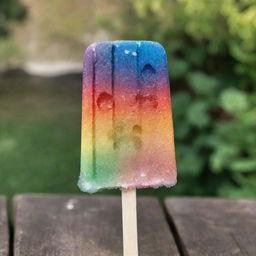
212	55
10	10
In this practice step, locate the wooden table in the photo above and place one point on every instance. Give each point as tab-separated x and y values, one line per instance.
59	225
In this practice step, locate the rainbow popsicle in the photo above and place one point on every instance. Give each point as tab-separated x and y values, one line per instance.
127	130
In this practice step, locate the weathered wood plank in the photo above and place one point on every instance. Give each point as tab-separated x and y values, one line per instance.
214	226
53	225
4	232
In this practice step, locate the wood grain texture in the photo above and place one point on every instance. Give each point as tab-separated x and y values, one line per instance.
214	227
4	232
52	225
129	220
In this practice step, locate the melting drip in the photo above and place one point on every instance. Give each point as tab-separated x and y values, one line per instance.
105	101
148	76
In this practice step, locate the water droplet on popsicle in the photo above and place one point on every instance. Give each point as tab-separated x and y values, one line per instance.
105	101
137	129
148	76
148	69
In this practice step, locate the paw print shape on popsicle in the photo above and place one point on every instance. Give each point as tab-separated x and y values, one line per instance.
147	102
105	103
148	76
121	138
147	99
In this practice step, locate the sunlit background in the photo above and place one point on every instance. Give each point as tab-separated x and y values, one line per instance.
211	48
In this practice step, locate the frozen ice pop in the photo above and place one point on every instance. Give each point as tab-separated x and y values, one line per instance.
127	130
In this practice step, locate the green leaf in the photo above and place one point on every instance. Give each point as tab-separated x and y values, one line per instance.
180	102
243	165
223	154
202	83
237	192
239	53
189	161
179	68
198	115
181	129
234	100
196	56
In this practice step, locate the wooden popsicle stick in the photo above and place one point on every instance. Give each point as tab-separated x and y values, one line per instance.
129	214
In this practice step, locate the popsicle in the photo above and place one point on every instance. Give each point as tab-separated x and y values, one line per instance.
127	129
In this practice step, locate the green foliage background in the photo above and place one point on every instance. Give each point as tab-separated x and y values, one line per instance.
10	10
211	47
